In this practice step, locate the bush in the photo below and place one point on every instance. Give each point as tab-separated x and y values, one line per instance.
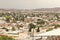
7	29
3	28
57	25
49	29
13	29
6	38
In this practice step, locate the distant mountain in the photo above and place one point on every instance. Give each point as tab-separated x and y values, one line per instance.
54	10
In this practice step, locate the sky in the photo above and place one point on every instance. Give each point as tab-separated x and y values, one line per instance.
29	4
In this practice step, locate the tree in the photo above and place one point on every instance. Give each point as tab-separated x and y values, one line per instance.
40	21
13	20
57	26
16	18
22	18
38	30
5	29
8	18
19	26
31	26
13	28
57	16
30	29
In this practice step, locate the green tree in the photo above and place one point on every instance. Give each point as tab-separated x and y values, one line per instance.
40	21
5	29
8	18
38	30
13	29
31	26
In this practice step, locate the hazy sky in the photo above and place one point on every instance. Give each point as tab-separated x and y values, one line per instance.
22	4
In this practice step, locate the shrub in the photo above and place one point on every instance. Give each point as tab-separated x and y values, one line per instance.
6	38
49	29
